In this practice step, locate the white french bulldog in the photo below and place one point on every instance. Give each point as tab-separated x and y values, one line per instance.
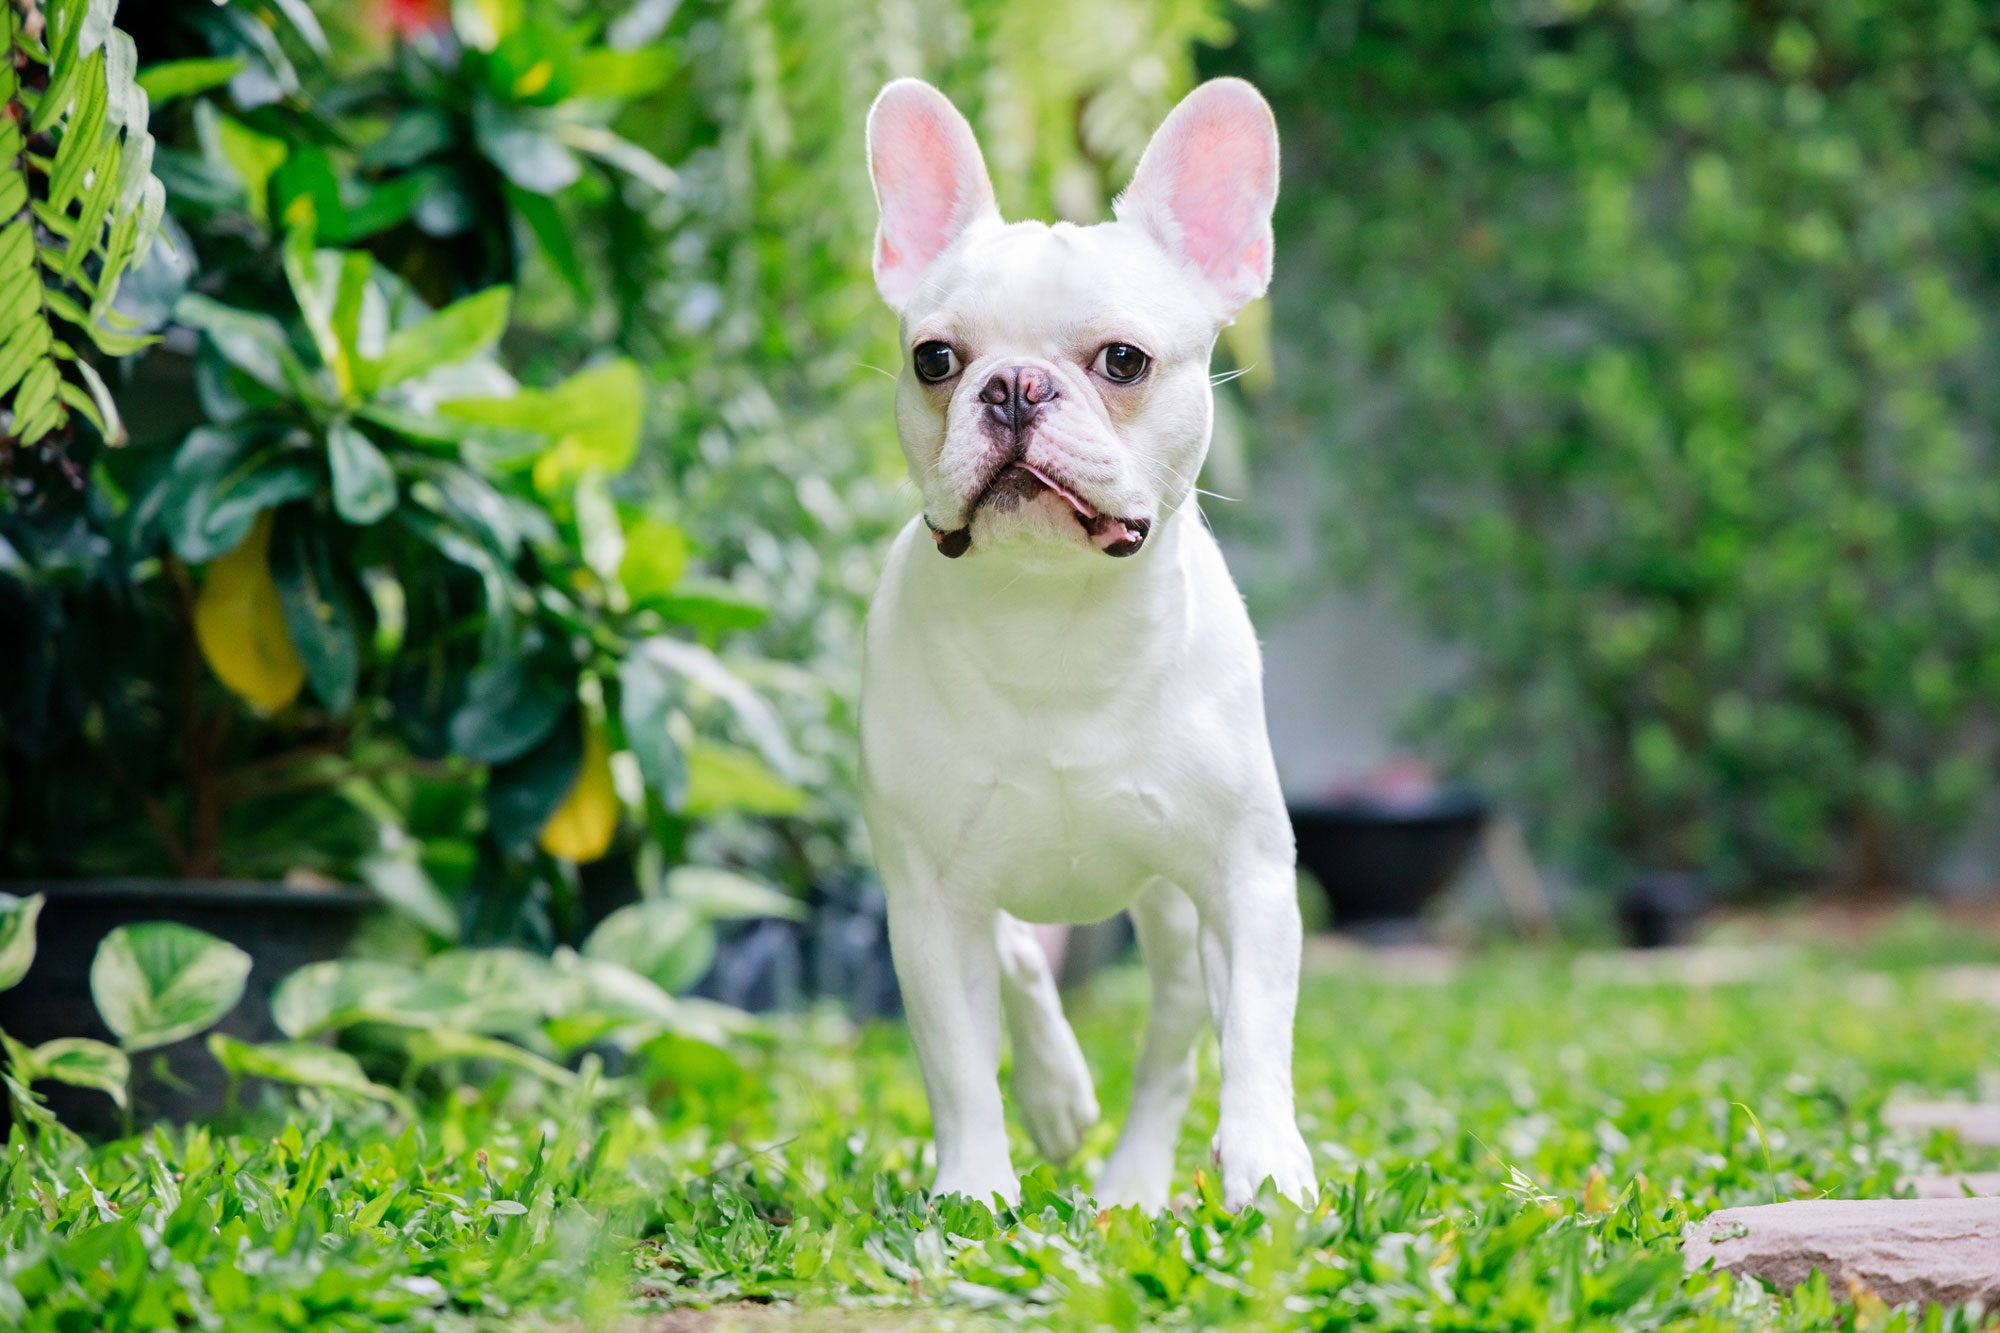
1062	703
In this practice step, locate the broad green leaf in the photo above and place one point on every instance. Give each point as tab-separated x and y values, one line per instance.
522	793
254	157
302	1064
399	879
700	667
325	997
527	155
668	942
459	332
616	151
160	981
723	779
656	556
592	420
510	707
647	694
169	79
320	615
505	990
82	1063
605	72
728	895
253	343
364	485
17	936
439	1044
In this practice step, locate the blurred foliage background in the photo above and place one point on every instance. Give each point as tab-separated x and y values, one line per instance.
509	456
1646	353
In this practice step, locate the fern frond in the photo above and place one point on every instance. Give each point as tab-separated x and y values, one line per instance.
79	205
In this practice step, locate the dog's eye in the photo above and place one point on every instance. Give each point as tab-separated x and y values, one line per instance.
935	361
1121	363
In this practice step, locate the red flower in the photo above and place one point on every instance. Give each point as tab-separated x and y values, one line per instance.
410	17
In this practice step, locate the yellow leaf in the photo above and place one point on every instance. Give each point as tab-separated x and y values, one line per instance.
1596	1193
240	624
582	826
1870	1311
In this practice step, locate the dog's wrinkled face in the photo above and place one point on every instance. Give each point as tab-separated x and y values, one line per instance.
1054	393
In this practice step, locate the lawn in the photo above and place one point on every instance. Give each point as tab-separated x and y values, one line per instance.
1515	1143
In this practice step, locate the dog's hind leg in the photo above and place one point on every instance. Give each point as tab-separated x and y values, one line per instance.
1141	1168
1051	1081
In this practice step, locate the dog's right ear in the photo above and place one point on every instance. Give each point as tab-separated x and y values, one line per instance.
930	183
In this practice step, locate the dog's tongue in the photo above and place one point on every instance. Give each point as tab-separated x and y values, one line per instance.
1076	501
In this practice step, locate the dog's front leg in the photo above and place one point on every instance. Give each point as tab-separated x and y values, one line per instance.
948	966
1250	939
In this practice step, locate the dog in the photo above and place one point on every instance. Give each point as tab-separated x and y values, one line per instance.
1062	707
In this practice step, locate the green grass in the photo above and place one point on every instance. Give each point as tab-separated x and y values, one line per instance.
1517	1148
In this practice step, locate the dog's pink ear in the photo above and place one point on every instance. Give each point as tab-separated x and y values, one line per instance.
930	183
1205	187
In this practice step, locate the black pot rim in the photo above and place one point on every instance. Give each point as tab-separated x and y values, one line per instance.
212	893
1450	807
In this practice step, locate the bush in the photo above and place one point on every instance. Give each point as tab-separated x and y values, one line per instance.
1648	351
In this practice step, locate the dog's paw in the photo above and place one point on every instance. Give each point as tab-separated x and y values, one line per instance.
1053	1090
1249	1155
983	1183
1126	1182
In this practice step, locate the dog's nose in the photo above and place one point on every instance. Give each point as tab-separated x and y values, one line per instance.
1014	394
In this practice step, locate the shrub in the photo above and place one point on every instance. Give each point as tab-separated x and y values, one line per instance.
1648	353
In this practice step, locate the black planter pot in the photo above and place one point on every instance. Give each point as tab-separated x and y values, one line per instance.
1662	909
1380	863
280	927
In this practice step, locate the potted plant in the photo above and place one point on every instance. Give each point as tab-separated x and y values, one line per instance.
1382	848
355	605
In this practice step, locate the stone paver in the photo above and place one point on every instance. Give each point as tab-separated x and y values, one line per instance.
1977	1124
1943	1251
1973	1184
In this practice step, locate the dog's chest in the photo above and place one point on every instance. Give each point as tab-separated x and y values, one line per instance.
1053	813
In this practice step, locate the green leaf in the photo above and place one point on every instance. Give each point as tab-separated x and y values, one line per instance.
505	990
605	72
459	332
510	707
723	779
544	222
621	153
728	895
647	694
399	879
319	614
254	157
528	157
82	1063
253	343
17	936
302	1064
326	997
439	1044
522	793
168	79
759	722
364	485
656	558
668	942
160	981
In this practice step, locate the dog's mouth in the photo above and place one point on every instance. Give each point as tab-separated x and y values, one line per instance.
1021	481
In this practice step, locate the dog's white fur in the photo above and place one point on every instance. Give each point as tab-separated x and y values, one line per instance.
1050	734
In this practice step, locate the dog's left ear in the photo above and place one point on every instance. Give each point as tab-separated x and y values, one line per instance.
1205	187
930	183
